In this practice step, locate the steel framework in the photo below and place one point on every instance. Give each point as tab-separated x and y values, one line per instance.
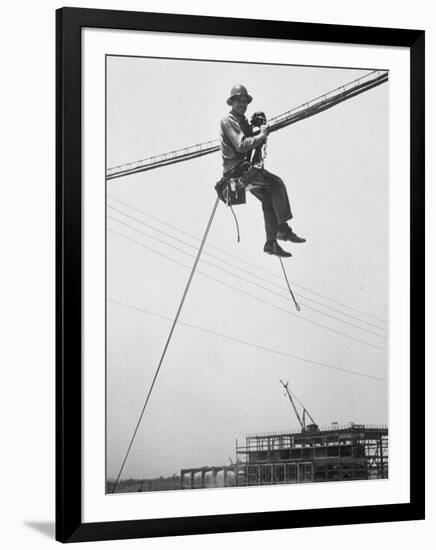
332	454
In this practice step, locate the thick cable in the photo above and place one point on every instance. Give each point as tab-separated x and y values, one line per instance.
278	122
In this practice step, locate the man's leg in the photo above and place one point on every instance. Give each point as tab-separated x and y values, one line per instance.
271	225
258	185
279	197
261	187
282	208
269	215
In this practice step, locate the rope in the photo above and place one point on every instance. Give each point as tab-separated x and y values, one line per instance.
297	307
185	292
236	221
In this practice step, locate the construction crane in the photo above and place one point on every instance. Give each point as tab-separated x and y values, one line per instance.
305	428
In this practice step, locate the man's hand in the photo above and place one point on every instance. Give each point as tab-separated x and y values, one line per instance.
264	130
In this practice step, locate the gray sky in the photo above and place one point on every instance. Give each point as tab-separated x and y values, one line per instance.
210	390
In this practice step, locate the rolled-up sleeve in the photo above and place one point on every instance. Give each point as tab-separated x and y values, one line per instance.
236	137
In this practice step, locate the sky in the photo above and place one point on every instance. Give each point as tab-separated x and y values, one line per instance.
212	390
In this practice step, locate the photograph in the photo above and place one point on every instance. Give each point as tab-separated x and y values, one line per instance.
225	335
247	274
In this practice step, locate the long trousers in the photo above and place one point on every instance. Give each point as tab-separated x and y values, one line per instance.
272	193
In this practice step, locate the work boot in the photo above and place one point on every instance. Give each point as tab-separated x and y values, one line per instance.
273	247
286	234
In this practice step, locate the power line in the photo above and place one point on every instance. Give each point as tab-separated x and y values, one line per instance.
247	280
247	343
250	295
242	260
242	269
258	267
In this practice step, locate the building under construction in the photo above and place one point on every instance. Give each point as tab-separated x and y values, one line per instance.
346	453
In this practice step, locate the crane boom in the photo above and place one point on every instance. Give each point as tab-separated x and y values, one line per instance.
305	411
309	428
292	403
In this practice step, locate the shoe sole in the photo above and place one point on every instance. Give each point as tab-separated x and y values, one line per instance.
279	255
291	241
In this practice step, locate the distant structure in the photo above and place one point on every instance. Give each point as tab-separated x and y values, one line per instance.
333	454
347	453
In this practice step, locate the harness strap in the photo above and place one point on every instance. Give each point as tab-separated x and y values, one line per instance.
236	221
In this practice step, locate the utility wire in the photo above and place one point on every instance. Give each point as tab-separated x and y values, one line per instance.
251	344
250	282
173	326
240	268
248	294
250	263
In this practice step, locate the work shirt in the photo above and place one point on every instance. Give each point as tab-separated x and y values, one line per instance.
236	140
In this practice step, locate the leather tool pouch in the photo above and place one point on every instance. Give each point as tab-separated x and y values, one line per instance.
231	189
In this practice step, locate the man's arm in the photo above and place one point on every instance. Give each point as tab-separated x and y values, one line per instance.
240	142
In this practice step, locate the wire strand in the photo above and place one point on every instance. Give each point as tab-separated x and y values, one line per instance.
251	344
173	326
289	286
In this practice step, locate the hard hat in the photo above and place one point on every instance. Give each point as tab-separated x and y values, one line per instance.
238	90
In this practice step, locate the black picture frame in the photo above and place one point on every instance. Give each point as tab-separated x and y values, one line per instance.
69	525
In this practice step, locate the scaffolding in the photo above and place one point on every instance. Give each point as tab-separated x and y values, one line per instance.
354	452
210	476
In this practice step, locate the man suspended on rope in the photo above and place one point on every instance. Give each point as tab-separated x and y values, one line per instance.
238	141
